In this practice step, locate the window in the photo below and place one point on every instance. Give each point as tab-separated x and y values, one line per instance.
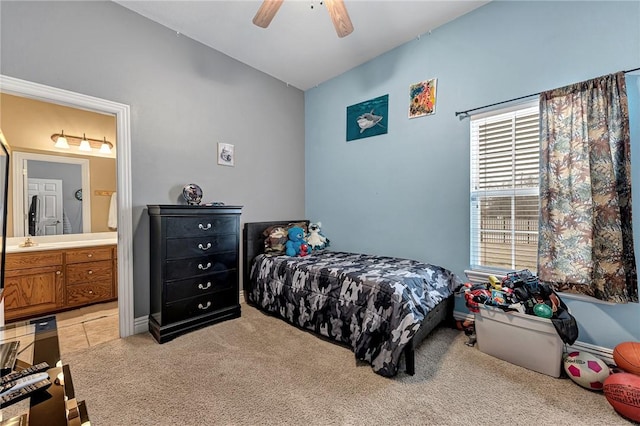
505	158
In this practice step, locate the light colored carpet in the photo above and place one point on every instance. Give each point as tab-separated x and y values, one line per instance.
257	369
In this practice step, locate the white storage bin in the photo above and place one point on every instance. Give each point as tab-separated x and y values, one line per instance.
525	340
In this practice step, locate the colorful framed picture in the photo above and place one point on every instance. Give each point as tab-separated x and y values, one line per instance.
422	98
225	154
368	118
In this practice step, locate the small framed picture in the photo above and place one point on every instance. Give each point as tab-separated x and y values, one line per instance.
225	154
422	98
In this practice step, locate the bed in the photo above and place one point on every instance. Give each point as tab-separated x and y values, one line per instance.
380	307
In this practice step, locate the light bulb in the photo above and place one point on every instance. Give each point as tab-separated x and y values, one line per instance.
61	142
84	144
105	149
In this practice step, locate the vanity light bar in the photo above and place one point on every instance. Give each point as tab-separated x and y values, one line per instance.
103	145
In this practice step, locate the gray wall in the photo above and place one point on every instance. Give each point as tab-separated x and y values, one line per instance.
184	98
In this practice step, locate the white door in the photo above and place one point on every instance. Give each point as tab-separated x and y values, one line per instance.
45	204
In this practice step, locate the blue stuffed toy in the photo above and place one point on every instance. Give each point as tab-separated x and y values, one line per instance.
296	240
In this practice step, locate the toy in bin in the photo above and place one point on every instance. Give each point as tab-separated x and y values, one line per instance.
521	291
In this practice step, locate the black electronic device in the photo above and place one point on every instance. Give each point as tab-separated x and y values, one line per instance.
23	392
22	373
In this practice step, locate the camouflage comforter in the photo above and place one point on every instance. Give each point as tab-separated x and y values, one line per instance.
374	304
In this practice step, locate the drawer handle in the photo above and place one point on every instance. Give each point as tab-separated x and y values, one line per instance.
201	287
90	255
203	248
204	228
90	272
204	267
204	307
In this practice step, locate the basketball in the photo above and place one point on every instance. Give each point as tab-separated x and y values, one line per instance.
622	391
586	370
626	355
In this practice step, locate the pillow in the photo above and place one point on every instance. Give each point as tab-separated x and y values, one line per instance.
276	236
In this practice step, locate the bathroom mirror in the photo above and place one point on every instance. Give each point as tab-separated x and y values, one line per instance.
45	188
30	125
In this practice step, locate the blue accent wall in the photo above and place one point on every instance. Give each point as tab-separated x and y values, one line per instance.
406	193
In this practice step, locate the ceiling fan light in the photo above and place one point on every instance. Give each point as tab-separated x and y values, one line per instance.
84	144
62	142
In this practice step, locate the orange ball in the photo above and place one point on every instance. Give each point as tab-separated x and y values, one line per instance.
626	355
622	391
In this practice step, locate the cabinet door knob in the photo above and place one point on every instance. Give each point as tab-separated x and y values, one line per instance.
90	272
58	272
204	228
202	287
204	307
200	266
207	247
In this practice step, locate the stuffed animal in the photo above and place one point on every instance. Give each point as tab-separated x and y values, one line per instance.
315	239
296	239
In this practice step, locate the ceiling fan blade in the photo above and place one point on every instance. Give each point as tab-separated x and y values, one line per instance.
340	17
266	12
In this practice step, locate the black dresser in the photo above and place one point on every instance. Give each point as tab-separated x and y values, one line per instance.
194	259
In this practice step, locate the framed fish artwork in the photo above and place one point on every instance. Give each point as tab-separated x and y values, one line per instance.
368	118
422	98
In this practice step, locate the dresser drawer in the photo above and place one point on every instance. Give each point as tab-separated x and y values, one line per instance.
191	287
198	266
89	254
200	305
201	226
89	271
33	260
95	291
189	247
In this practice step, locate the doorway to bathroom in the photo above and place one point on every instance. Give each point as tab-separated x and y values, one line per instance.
29	90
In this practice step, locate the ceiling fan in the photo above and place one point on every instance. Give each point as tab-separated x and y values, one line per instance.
336	8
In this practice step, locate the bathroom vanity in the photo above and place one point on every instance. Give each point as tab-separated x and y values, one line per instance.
53	276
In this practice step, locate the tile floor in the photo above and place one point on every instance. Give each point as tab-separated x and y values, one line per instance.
87	326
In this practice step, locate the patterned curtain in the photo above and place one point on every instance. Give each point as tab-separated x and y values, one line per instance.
586	239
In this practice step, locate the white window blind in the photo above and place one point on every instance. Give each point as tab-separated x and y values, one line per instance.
505	152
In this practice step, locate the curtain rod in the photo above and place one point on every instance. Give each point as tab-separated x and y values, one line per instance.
465	114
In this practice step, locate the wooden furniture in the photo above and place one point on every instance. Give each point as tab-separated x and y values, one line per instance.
194	261
47	281
89	276
253	245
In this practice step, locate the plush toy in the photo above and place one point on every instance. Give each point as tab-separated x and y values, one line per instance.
296	239
315	239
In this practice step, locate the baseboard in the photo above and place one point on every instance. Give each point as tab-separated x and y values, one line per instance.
604	354
141	325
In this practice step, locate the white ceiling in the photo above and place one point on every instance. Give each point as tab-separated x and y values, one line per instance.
301	47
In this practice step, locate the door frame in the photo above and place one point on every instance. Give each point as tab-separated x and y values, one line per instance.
28	89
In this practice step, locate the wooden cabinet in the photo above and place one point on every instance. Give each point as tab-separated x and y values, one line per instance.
48	281
34	283
89	277
194	261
